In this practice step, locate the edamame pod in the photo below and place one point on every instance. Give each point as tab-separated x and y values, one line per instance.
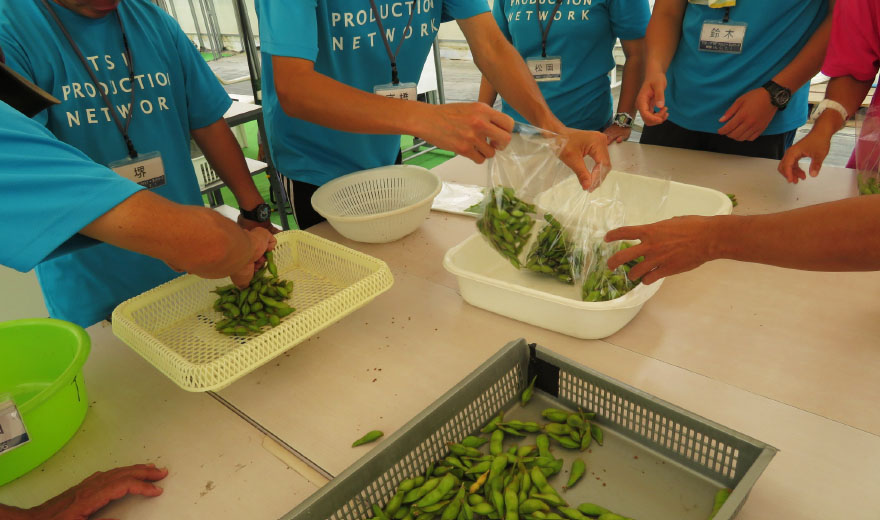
596	433
446	484
573	514
369	437
555	415
527	393
531	505
592	509
421	491
474	442
495	442
720	498
578	468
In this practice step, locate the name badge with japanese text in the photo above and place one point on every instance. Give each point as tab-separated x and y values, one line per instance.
404	91
545	68
146	169
717	36
12	431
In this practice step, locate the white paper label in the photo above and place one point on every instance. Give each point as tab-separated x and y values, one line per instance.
147	169
717	36
545	69
404	91
12	431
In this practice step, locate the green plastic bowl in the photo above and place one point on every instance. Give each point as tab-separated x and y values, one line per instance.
41	364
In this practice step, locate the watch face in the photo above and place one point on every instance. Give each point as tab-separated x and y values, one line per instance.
623	119
262	212
783	97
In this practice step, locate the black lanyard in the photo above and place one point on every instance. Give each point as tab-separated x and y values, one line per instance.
545	32
132	152
393	57
726	15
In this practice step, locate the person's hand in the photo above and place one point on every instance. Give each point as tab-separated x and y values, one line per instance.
248	224
670	247
616	134
579	144
473	130
261	241
95	492
651	96
814	146
748	116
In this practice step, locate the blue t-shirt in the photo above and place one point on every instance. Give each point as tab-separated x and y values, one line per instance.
342	38
48	191
175	92
583	35
702	85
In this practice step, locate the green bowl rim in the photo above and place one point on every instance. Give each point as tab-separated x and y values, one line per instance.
75	366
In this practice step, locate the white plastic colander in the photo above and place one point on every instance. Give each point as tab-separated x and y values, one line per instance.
378	205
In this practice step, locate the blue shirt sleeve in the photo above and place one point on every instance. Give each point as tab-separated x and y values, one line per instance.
629	18
55	191
289	28
501	18
17	59
461	9
206	98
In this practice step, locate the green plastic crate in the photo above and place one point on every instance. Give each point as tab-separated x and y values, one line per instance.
658	462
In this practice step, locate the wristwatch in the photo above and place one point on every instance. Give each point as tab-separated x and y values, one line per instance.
259	214
824	105
779	95
623	120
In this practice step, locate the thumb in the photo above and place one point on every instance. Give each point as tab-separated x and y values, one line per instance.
815	166
659	97
730	111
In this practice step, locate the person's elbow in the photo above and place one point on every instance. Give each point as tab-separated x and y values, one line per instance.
293	78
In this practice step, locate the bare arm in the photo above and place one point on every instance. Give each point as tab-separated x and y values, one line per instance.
487	94
463	128
506	71
843	235
633	75
847	91
808	61
661	41
188	238
223	153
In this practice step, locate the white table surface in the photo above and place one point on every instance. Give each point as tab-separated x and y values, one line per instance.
787	357
217	465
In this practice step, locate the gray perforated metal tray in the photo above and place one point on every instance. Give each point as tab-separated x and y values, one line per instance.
658	462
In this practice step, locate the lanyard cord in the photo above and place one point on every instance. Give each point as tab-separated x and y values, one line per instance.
545	32
132	152
726	15
393	57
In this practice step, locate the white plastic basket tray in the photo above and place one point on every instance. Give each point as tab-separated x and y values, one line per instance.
487	280
172	326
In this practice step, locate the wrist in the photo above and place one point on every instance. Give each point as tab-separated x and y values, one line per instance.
721	241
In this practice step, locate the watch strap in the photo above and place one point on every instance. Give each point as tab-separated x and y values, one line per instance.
774	89
824	105
627	120
254	214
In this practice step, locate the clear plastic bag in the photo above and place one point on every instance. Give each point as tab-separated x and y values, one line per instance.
528	166
867	153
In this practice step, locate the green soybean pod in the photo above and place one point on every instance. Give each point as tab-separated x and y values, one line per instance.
720	498
596	433
495	442
571	513
270	263
531	505
555	415
527	393
474	442
578	468
493	424
403	513
419	492
441	471
406	486
451	511
611	516
565	442
575	421
550	498
483	508
543	443
394	504
586	439
369	437
434	496
480	468
435	508
557	429
592	509
378	513
511	504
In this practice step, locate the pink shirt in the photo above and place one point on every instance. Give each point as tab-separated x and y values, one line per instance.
854	49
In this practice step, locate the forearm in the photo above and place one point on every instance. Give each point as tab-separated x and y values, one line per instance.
224	155
847	91
633	75
663	34
843	235
487	92
506	71
14	513
189	238
808	61
314	97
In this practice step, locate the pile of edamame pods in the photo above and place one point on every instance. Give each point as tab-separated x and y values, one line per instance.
868	185
506	223
260	305
552	252
603	284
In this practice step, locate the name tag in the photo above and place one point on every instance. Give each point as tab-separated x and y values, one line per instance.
717	36
545	69
404	91
12	431
146	169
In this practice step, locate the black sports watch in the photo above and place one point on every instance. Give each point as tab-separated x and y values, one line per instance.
259	214
779	95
